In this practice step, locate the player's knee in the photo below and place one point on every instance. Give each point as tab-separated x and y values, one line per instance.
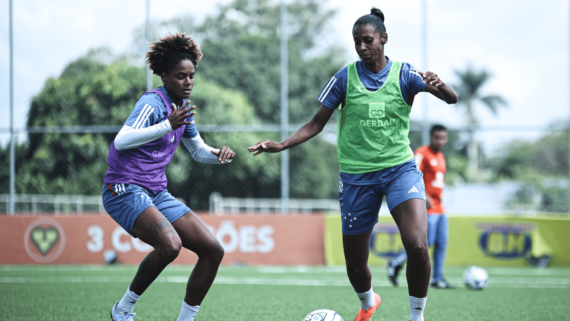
170	254
213	252
170	250
418	250
217	253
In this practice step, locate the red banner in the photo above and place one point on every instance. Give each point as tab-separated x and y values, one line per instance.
257	240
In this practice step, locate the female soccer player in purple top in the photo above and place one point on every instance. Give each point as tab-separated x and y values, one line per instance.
134	190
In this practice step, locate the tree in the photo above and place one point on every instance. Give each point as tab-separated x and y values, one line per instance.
469	92
237	83
88	92
245	176
20	150
94	93
241	51
314	170
541	167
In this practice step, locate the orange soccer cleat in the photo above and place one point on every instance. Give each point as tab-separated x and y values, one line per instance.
366	315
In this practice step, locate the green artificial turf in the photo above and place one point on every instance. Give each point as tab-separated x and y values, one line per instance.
274	293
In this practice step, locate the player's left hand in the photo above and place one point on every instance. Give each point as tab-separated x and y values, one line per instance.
431	78
266	146
224	155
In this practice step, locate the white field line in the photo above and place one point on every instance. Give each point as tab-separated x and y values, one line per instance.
75	268
534	281
181	268
515	271
277	269
64	279
100	267
522	283
300	269
342	269
495	283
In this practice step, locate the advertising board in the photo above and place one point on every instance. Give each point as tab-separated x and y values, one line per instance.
485	241
259	239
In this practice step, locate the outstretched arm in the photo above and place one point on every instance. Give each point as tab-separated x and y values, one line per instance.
436	87
203	153
303	134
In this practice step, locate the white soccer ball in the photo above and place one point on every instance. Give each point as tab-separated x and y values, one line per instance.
323	315
475	278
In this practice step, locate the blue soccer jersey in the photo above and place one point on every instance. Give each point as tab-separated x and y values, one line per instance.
145	165
334	92
150	110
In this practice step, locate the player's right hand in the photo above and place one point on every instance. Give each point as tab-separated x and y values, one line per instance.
266	146
178	116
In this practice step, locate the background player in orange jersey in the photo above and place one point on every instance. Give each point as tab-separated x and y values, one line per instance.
431	162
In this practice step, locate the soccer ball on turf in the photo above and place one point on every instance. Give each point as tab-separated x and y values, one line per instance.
475	278
323	315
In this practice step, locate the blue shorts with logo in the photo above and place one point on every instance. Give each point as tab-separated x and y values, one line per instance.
125	202
361	195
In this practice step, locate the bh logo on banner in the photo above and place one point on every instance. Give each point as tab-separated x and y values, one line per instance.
505	240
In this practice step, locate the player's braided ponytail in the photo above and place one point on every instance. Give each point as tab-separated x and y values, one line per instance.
170	50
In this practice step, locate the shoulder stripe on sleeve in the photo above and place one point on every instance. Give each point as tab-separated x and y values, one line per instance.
328	90
145	118
415	72
140	115
326	87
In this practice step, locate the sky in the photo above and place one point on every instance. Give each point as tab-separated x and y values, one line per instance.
524	44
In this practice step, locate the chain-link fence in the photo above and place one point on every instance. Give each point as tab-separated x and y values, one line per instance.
61	169
60	155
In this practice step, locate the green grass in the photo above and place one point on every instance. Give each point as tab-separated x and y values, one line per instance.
274	293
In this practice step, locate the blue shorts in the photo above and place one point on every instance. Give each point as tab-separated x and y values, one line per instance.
360	204
125	202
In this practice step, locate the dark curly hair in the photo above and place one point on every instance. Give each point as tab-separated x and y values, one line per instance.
166	53
374	18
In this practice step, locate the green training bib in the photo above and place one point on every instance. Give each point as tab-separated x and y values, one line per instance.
373	127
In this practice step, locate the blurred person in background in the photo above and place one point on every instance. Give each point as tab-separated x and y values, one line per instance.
431	161
134	190
374	97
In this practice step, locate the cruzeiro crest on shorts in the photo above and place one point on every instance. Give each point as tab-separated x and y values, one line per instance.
340	187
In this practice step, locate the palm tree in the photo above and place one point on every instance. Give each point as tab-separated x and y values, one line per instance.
469	93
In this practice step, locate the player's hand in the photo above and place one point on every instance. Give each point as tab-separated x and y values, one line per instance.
266	146
431	78
178	117
224	155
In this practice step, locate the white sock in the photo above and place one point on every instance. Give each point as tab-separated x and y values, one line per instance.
128	301
366	299
417	307
188	312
